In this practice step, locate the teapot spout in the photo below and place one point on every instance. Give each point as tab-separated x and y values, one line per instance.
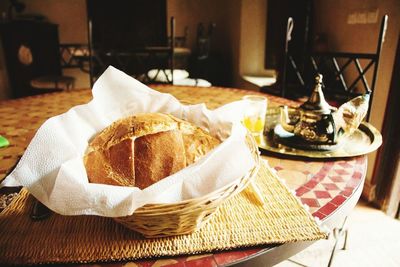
284	119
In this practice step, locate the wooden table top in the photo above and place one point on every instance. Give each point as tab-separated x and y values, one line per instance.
326	186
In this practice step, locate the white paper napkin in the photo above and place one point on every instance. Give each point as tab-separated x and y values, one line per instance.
52	167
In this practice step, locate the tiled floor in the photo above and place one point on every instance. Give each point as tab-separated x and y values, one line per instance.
374	240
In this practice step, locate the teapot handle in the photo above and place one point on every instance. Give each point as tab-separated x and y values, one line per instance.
286	123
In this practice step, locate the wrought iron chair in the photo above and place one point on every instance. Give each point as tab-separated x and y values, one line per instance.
341	82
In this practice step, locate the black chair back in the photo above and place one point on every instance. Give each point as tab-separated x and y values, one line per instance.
345	75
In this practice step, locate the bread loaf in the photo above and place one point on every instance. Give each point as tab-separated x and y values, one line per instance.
143	149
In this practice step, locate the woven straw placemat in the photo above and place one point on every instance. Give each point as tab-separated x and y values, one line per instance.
239	222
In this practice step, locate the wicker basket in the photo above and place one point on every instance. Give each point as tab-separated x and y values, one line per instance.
160	220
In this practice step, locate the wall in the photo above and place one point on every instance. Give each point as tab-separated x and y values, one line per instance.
252	42
70	15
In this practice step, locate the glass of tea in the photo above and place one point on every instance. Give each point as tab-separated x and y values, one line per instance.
254	114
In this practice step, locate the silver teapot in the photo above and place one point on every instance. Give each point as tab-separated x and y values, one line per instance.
319	123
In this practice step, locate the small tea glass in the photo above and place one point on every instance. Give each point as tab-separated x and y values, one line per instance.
254	114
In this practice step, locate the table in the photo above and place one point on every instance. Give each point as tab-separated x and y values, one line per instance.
330	188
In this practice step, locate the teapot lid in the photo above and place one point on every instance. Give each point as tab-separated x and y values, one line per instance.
316	102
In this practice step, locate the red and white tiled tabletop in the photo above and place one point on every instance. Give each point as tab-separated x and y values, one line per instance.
323	185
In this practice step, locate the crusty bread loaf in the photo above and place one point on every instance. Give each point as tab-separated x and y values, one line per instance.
143	149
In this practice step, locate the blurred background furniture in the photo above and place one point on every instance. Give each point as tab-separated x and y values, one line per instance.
133	37
202	65
181	50
31	52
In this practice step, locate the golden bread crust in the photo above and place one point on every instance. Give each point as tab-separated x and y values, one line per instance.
145	148
158	156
